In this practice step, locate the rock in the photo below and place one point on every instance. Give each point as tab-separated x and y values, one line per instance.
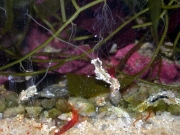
100	100
13	111
136	95
55	90
11	99
119	112
2	104
65	116
48	103
161	106
84	106
174	109
33	111
63	105
53	113
104	108
167	72
33	102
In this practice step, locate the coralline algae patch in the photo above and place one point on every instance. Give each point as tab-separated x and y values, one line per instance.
166	71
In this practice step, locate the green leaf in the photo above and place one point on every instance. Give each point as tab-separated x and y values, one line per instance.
21	3
126	81
80	85
133	4
155	12
47	8
9	16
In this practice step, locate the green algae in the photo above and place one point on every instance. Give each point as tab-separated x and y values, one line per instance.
10	16
53	113
84	86
33	111
62	105
48	103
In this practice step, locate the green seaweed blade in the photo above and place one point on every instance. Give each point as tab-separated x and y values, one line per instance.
81	85
155	12
126	81
9	16
47	8
22	3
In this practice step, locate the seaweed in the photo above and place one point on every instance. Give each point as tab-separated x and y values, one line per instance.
9	16
80	85
66	25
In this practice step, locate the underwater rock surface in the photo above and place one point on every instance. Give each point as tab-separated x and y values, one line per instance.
48	103
55	90
13	111
33	111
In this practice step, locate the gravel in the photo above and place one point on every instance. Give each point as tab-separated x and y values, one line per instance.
163	123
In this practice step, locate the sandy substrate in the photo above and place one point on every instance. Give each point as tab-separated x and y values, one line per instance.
161	124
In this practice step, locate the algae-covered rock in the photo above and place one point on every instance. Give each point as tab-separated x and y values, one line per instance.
11	99
48	103
55	90
33	111
136	95
161	106
99	100
2	104
13	111
63	105
53	113
174	109
33	102
153	89
66	116
119	112
84	106
131	108
105	107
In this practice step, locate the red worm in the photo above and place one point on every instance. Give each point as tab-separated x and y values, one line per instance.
70	124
